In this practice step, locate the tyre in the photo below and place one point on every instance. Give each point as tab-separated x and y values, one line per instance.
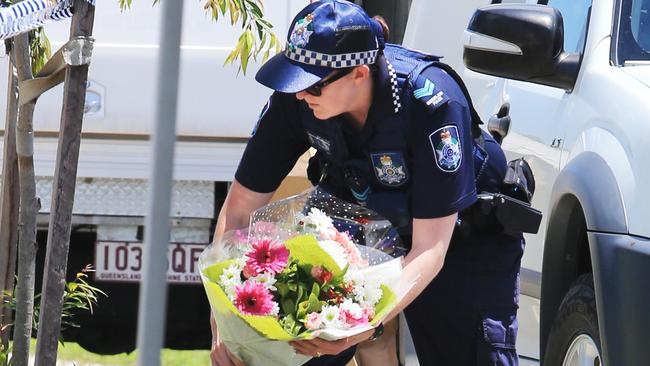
574	338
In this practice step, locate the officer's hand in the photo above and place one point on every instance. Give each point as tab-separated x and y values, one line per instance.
318	347
219	354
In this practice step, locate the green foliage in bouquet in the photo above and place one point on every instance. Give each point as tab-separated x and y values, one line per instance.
310	280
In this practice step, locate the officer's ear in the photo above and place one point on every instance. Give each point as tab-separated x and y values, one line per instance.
361	73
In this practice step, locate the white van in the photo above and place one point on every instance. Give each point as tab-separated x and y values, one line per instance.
216	112
572	77
218	107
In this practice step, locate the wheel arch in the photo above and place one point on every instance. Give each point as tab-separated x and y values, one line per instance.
579	203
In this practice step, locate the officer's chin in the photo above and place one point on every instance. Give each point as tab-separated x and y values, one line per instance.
320	115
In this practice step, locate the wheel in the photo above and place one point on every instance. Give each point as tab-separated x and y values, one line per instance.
574	339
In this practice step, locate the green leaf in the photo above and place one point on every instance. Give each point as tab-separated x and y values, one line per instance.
301	312
255	9
244	14
315	305
124	4
266	23
300	293
246	49
288	306
232	11
266	55
263	41
289	323
338	278
283	290
222	6
315	290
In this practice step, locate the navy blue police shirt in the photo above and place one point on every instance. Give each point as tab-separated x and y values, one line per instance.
415	147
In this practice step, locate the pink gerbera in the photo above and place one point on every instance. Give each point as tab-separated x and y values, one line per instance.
267	256
253	298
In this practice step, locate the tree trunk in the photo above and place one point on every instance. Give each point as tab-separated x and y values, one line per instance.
65	175
29	206
9	197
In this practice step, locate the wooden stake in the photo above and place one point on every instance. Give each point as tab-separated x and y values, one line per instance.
65	175
9	197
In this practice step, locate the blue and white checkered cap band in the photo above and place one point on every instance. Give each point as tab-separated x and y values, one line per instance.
340	61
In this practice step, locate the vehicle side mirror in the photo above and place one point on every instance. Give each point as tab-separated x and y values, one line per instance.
521	42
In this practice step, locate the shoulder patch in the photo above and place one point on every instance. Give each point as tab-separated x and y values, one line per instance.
429	93
266	108
447	151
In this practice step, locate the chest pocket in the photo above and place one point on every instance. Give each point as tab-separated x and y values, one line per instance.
389	169
387	151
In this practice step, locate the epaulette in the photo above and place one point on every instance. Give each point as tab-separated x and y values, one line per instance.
428	89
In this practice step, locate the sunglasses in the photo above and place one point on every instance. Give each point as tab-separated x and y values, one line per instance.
317	89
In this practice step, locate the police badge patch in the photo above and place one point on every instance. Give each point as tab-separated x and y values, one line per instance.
389	168
302	31
446	147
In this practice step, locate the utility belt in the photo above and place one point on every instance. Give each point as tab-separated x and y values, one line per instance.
508	211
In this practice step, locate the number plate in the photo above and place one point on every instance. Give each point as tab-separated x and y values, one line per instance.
122	262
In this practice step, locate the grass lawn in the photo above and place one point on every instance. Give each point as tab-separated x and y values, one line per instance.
74	353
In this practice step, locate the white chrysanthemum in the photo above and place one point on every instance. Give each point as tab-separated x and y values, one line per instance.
230	282
354	277
319	219
275	310
230	273
329	316
266	279
240	262
368	293
230	288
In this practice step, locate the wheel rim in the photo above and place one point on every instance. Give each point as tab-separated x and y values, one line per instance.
582	352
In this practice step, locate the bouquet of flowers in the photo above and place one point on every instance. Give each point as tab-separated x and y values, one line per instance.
308	266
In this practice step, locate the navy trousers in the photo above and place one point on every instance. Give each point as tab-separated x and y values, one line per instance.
467	316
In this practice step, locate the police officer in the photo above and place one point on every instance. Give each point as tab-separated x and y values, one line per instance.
393	130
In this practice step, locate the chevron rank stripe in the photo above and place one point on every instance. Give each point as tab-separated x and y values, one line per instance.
361	197
425	91
31	14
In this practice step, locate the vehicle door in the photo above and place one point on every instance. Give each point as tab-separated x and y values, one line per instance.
540	116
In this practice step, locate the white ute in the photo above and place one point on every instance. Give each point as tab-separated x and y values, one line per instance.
573	79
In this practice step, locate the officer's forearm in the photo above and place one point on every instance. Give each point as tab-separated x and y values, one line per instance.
431	239
237	208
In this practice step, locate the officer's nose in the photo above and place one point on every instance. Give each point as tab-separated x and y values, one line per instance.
301	95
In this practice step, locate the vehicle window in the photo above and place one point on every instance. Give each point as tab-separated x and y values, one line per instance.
575	14
640	23
632	32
